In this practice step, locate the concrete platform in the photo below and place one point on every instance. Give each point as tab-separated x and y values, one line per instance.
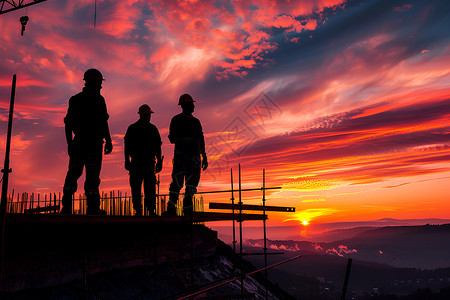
197	217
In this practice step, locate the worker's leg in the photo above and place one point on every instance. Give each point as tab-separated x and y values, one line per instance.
150	192
74	172
175	185
135	185
92	183
192	180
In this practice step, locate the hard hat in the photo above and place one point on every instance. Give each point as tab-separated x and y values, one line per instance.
185	98
145	109
93	74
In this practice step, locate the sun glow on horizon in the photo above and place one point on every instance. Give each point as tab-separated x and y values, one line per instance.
305	216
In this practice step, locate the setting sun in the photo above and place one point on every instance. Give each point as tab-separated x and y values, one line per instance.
305	222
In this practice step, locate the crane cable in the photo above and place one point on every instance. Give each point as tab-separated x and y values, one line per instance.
95	12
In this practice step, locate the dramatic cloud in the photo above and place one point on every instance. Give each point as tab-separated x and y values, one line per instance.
344	103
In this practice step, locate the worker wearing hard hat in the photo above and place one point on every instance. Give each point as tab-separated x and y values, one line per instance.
142	146
86	127
187	135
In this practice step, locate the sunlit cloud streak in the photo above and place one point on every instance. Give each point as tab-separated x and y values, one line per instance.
394	142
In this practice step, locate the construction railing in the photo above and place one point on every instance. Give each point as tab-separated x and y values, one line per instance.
114	203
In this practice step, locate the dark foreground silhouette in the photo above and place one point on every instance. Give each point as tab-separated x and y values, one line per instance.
86	126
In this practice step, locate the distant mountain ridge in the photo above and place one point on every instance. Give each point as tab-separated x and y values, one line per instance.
425	247
332	231
324	232
395	259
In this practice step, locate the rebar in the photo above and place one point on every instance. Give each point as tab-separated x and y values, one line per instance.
239	277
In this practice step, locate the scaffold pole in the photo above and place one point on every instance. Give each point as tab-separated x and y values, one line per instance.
6	170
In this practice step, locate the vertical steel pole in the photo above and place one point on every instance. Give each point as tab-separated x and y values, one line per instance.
265	235
347	275
234	226
158	202
6	170
54	203
232	203
240	234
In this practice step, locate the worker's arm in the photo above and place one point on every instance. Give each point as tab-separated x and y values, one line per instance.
69	138
158	154
108	144
126	151
68	128
107	135
203	149
173	138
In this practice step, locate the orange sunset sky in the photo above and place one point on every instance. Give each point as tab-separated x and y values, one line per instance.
344	103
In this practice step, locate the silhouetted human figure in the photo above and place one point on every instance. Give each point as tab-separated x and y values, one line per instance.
86	126
187	135
142	146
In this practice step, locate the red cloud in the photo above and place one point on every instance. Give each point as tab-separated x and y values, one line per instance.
238	32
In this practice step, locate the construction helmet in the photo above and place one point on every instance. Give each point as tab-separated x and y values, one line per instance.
185	98
93	74
145	109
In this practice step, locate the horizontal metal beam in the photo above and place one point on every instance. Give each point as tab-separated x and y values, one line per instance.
229	191
12	5
214	205
242	190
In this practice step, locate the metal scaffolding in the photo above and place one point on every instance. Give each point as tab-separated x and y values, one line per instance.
11	5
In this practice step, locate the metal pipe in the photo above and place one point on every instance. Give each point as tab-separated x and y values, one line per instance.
6	170
158	202
347	275
237	278
232	202
229	191
264	225
243	190
240	235
234	225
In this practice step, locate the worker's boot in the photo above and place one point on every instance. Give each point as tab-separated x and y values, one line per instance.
188	206
171	210
171	206
187	211
150	211
66	202
93	205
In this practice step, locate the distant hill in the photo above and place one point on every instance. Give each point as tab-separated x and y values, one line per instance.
394	259
339	234
425	247
323	232
365	277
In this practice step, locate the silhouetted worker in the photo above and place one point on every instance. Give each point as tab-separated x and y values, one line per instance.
187	135
142	146
86	125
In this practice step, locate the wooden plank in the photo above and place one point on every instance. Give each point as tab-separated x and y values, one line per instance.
53	208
